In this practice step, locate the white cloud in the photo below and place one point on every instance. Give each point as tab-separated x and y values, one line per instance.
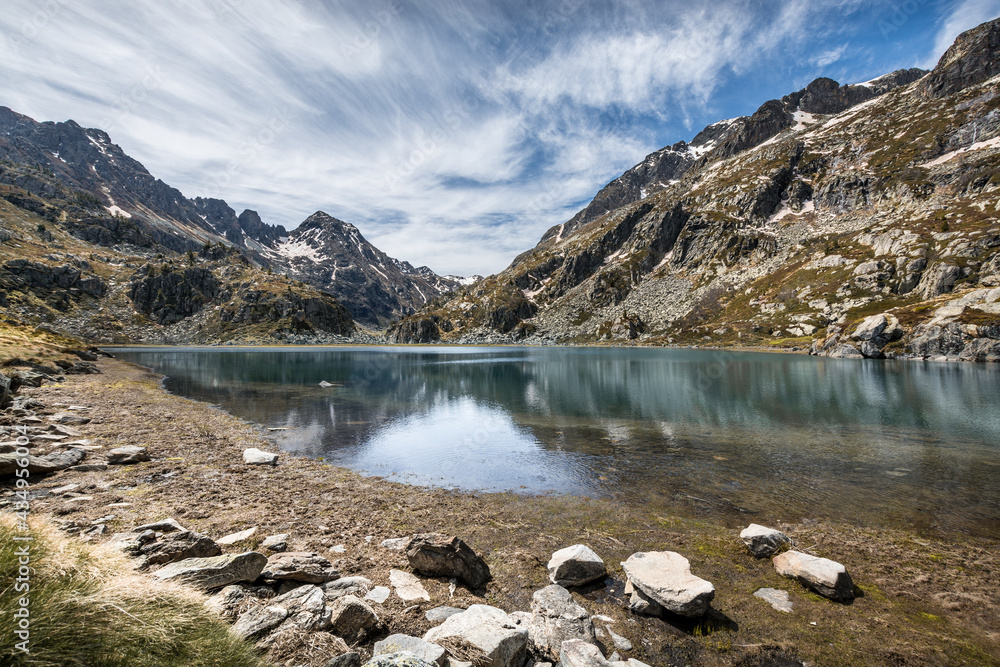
968	14
452	133
829	57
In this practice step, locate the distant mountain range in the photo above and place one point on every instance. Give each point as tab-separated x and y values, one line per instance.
857	220
324	252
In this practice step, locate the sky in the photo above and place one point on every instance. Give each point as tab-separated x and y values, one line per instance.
452	134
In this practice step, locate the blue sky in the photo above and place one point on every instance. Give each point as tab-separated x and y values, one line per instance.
453	134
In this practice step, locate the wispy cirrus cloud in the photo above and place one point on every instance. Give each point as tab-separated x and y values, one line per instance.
452	133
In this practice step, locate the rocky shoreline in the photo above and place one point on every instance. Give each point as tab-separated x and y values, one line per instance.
302	555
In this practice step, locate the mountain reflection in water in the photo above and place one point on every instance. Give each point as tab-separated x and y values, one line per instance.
766	437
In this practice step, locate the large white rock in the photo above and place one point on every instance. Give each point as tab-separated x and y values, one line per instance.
501	642
575	566
254	456
556	618
763	542
233	538
825	576
665	576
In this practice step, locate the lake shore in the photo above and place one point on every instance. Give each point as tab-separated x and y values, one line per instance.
923	601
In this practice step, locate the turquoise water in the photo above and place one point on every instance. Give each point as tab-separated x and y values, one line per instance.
742	436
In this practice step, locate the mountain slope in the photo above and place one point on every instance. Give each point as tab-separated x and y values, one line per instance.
76	177
333	255
820	210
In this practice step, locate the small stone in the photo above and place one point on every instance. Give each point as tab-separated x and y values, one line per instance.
275	543
89	467
68	418
346	586
379	594
349	659
162	526
254	456
422	649
407	586
439	614
128	455
233	538
827	577
764	542
396	543
577	565
775	597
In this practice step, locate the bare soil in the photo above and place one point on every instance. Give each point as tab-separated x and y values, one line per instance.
921	601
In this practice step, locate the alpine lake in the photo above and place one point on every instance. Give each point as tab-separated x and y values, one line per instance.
731	436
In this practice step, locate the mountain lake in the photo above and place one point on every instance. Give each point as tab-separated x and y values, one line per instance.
742	436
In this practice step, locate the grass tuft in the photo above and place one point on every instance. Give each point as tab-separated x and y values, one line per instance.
88	608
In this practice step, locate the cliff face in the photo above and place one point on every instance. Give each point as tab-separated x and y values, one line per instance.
795	225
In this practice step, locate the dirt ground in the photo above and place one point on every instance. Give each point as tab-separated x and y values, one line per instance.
921	602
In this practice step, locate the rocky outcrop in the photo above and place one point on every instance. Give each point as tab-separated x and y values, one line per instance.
301	312
169	294
301	566
23	274
973	58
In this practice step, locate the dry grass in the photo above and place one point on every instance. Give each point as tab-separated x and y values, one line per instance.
88	607
20	341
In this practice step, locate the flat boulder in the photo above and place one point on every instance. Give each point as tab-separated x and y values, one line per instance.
827	577
556	618
424	650
407	586
216	571
69	418
577	565
254	456
764	542
175	546
665	577
440	555
10	462
302	608
128	455
483	635
346	586
299	566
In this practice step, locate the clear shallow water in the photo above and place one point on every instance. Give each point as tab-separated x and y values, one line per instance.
762	437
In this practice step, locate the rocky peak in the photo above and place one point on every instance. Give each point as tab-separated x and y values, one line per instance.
973	58
256	229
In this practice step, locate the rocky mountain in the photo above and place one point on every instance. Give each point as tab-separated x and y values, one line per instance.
856	220
76	178
333	255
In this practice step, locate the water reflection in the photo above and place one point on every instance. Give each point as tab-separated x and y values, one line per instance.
783	436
